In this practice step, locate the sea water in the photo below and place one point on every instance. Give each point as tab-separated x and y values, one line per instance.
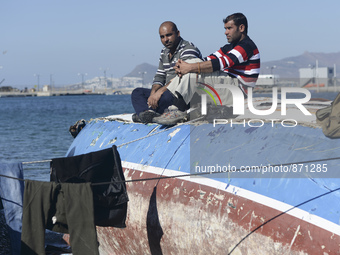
37	128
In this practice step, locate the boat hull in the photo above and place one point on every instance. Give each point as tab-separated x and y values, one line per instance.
172	212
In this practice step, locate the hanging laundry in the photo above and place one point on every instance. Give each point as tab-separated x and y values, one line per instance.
65	207
11	195
104	166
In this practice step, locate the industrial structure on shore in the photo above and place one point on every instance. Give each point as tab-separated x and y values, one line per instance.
314	78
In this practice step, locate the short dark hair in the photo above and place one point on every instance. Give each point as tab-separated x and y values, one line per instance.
238	19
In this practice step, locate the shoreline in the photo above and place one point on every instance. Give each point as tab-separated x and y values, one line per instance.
127	91
65	93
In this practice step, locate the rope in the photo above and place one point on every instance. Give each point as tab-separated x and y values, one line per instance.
37	162
11	177
152	134
193	174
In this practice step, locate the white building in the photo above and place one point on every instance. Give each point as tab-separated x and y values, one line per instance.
46	88
316	76
267	80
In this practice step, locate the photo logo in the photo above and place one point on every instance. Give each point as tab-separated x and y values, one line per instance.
239	100
227	116
204	97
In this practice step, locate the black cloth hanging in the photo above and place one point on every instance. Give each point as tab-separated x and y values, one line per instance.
110	200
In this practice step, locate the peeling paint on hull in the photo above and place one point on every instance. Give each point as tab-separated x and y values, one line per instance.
164	219
210	216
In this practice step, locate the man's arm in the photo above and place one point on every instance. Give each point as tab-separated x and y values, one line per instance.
183	67
158	84
160	76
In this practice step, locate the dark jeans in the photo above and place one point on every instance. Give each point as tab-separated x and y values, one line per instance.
139	98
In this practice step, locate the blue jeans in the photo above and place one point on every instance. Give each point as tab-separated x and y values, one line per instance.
11	194
139	99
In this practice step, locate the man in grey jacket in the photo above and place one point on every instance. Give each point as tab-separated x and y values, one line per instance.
150	103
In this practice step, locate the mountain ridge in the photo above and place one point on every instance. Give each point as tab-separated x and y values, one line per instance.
285	68
289	67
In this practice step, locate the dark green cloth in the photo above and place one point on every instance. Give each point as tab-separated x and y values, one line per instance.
71	207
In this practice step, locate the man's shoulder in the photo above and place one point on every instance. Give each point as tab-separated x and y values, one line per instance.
186	44
248	41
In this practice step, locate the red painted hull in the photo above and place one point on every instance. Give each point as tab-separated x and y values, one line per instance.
179	216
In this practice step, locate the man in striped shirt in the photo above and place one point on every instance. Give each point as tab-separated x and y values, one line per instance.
151	103
236	63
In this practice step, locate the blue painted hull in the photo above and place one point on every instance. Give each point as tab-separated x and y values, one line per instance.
294	209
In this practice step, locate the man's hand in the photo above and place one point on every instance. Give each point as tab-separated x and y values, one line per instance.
156	93
154	98
182	68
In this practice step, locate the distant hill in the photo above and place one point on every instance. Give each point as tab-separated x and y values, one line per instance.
148	70
289	67
286	68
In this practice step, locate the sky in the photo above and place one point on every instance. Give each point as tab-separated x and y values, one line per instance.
63	39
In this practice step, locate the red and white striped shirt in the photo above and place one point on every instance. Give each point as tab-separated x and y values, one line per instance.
241	61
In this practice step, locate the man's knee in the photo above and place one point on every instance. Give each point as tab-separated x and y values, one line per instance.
167	95
194	60
138	92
